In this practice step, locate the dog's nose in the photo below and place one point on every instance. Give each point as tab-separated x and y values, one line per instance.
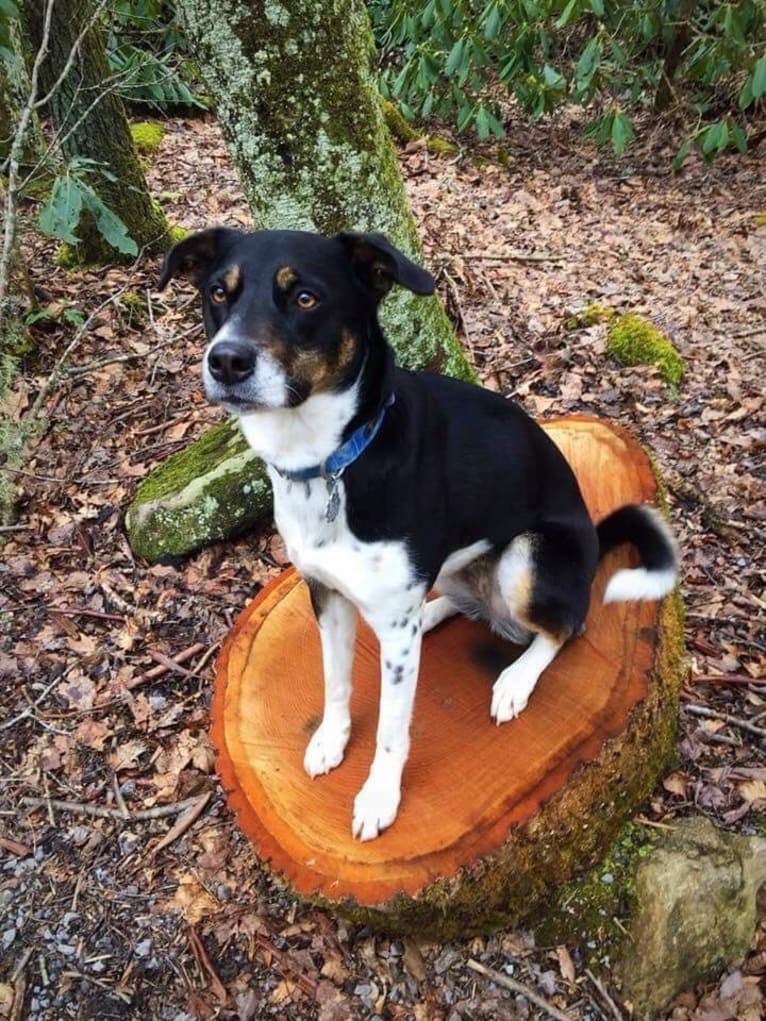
231	361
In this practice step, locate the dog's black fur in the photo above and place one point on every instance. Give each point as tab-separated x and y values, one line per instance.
452	465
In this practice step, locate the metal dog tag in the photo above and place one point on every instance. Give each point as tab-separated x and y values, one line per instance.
333	499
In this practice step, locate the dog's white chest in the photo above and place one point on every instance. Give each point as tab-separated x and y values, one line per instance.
311	518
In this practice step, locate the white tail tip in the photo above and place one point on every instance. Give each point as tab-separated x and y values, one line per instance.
638	583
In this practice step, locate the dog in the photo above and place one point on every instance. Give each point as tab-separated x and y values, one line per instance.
389	483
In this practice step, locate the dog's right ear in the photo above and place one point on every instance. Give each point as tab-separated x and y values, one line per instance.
193	257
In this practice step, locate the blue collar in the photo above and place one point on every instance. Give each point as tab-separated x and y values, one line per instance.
334	466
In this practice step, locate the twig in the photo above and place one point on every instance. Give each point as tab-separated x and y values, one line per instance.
15	847
123	808
7	724
19	983
78	611
80	808
656	825
97	982
79	333
518	987
712	714
516	257
16	528
17	146
749	333
170	664
203	960
183	824
158	671
616	1012
727	679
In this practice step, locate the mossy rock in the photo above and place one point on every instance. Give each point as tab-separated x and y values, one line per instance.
214	489
147	135
631	340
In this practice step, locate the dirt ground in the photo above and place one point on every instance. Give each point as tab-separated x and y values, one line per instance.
106	662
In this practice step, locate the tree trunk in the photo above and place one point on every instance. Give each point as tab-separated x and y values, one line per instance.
295	94
539	800
90	120
296	97
674	52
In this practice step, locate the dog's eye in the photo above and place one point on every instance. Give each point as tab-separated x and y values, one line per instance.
218	294
305	299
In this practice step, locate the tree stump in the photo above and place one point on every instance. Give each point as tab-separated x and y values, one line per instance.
492	818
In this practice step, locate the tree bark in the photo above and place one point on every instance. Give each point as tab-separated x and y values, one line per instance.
90	119
674	52
296	97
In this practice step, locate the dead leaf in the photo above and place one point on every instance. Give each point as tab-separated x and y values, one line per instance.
566	964
126	755
676	783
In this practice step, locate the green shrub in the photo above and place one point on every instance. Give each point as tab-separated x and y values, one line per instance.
459	60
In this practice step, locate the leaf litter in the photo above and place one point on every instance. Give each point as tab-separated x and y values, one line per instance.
106	663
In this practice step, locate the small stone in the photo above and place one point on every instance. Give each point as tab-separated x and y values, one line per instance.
607	878
696	895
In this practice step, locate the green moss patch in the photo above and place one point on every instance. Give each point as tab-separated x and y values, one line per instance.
147	135
631	340
590	315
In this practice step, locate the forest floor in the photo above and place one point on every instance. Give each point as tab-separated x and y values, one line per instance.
106	663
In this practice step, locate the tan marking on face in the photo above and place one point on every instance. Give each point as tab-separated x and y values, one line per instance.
231	279
346	350
285	277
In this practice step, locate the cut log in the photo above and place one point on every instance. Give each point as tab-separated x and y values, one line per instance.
492	818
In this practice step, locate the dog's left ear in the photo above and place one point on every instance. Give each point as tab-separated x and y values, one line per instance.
193	257
380	265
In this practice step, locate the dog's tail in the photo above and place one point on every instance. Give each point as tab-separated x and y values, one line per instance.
647	530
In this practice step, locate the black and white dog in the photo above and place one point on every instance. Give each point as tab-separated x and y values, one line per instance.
388	483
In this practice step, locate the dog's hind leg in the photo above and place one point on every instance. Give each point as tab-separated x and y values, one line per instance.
544	581
336	617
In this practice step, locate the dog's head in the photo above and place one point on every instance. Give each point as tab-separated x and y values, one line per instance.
287	313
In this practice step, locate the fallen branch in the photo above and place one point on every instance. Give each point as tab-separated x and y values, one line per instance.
516	257
712	714
101	812
518	987
81	611
205	964
158	671
7	724
616	1013
183	824
727	679
171	664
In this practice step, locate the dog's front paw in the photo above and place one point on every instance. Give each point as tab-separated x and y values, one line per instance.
510	694
325	749
375	808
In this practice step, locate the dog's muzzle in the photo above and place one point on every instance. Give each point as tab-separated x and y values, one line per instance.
230	362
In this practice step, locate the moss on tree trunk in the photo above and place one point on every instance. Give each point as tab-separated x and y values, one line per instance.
89	118
295	93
